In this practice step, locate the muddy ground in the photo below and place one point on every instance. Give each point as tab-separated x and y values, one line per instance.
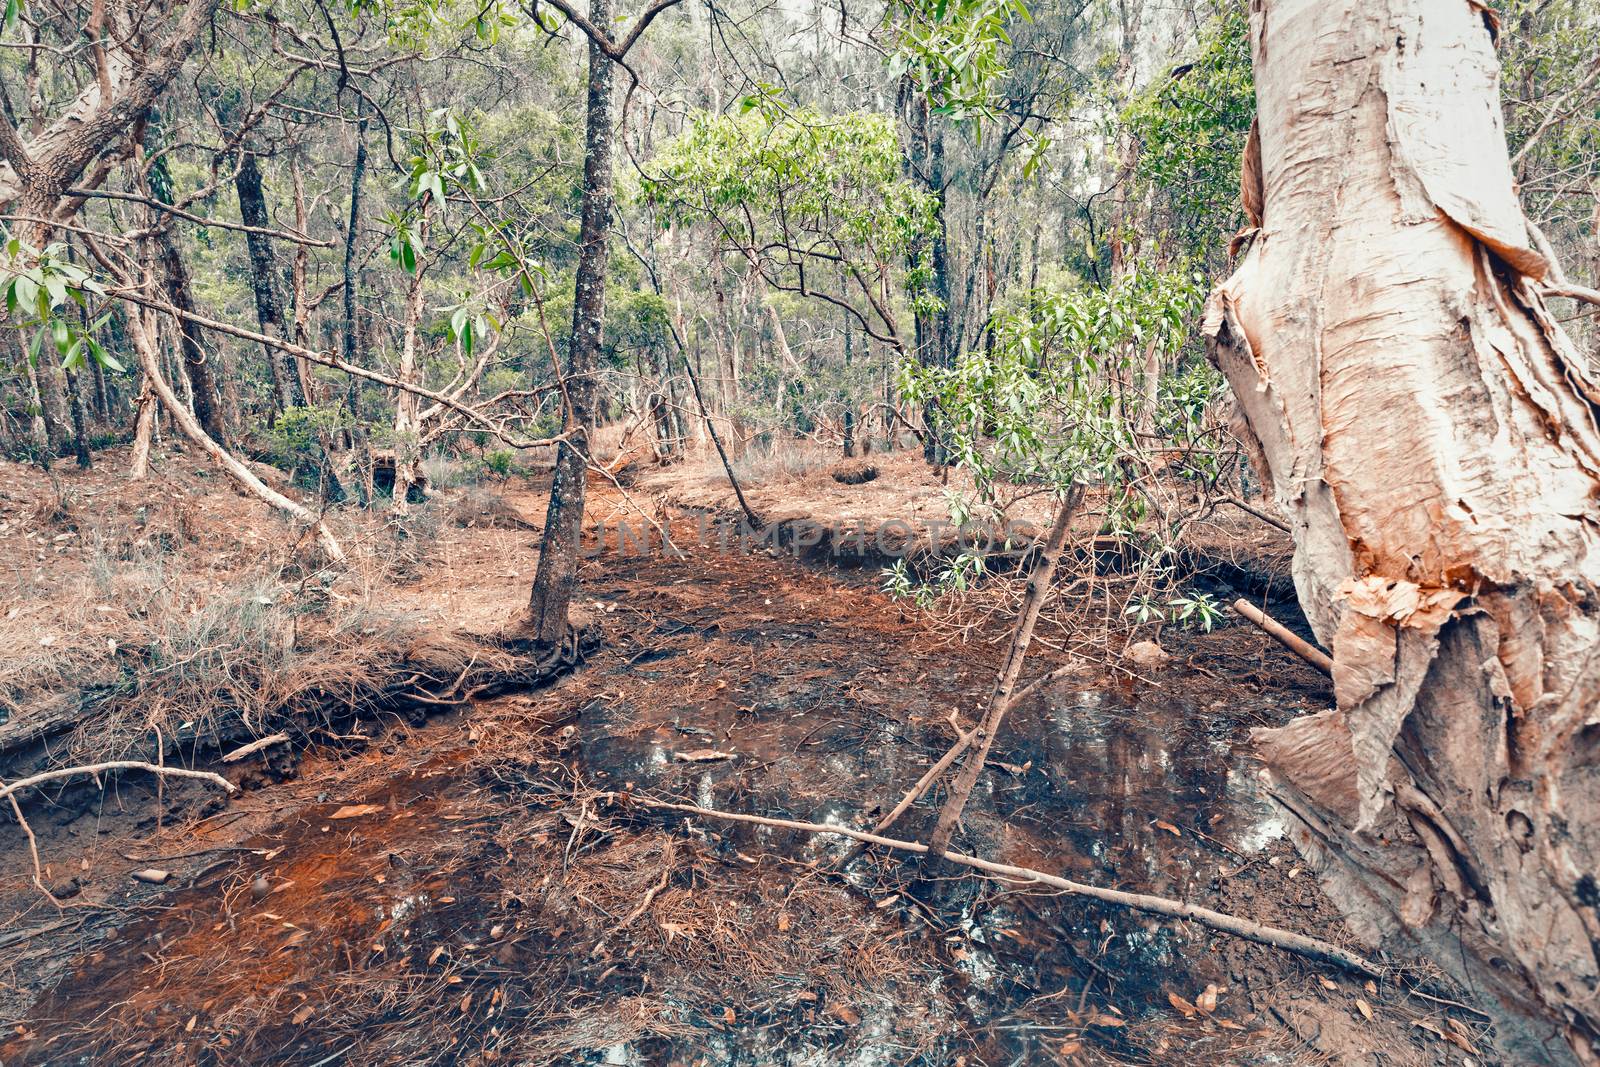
476	888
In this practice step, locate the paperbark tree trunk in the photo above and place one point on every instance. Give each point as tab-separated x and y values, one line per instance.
557	575
1429	434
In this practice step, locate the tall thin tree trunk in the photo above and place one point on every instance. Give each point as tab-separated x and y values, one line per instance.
557	574
407	428
1431	438
352	322
925	162
264	282
198	364
80	423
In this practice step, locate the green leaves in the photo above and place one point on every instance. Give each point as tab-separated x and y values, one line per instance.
1192	127
41	290
1058	397
954	50
791	176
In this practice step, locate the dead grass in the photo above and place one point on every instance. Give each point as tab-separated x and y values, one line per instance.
171	616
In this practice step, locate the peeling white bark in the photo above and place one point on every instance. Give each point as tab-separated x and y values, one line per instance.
1429	432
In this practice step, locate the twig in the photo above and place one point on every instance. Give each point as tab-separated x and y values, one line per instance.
255	746
1286	637
1287	940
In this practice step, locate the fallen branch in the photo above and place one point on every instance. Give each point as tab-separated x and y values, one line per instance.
1286	637
114	765
9	794
1006	681
1300	944
255	746
1251	509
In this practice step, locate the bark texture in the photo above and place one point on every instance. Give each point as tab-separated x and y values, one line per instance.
1429	433
557	576
198	363
264	281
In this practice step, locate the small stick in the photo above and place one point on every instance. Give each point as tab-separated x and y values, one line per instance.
255	746
1286	637
1300	944
915	793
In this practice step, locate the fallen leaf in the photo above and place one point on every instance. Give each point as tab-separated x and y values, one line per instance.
351	811
305	1012
1364	1008
1228	1024
1169	828
466	1002
1207	1000
842	1012
783	922
1101	1019
1188	1010
1328	983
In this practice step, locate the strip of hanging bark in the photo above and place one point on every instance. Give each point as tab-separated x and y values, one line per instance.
1000	700
1286	637
1300	944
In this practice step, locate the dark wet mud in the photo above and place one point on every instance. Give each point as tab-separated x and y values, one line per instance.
481	891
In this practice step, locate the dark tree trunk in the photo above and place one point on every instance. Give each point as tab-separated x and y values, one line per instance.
198	365
263	281
352	322
849	404
557	576
925	161
80	424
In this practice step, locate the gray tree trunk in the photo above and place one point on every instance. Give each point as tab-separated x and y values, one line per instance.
557	575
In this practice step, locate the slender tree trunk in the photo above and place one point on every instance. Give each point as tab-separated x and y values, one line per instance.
1431	438
407	427
264	282
925	162
352	320
143	430
198	364
557	574
80	423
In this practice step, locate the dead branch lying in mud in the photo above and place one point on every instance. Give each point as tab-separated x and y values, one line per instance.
9	793
114	765
1285	636
1288	940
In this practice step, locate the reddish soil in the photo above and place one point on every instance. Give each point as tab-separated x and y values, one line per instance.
477	890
